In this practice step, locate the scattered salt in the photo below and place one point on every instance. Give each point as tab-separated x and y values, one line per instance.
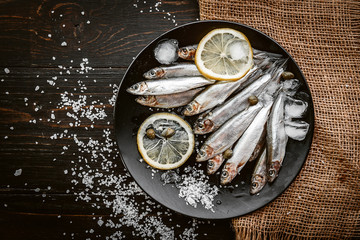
18	172
63	44
6	70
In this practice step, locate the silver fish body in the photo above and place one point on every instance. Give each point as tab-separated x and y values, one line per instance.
259	146
168	86
228	134
245	146
258	178
276	138
215	95
169	100
217	117
176	70
188	52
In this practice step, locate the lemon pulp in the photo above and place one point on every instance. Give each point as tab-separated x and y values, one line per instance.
224	54
162	151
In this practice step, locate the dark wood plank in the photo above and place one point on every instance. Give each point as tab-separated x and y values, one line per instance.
43	202
116	31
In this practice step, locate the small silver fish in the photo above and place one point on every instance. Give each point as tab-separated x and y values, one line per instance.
215	95
228	134
218	116
188	52
169	100
168	85
276	138
245	146
176	70
258	179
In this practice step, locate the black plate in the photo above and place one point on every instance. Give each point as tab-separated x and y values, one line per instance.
233	202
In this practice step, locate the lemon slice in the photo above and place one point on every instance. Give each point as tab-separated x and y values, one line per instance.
165	141
224	54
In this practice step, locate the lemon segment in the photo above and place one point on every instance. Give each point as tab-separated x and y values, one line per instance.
224	54
165	151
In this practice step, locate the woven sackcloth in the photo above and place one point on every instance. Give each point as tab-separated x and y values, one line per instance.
323	37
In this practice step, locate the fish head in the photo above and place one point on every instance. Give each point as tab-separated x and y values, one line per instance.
214	163
185	53
203	126
147	100
204	153
192	108
228	173
273	170
137	88
154	73
257	183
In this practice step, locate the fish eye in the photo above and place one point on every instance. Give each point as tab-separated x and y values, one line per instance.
271	172
201	125
211	163
185	51
224	174
136	87
202	152
189	108
254	185
152	72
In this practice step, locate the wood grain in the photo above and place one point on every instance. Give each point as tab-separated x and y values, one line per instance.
42	202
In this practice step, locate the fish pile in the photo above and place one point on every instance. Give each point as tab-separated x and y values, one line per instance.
249	119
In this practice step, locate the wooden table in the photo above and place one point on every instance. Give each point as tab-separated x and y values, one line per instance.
46	50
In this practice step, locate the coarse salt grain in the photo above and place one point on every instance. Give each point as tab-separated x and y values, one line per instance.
18	172
99	178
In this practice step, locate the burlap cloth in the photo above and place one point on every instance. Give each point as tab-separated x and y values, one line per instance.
323	37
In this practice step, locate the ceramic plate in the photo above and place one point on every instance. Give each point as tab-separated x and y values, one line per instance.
235	200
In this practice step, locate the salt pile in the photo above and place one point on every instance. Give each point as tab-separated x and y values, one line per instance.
193	185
